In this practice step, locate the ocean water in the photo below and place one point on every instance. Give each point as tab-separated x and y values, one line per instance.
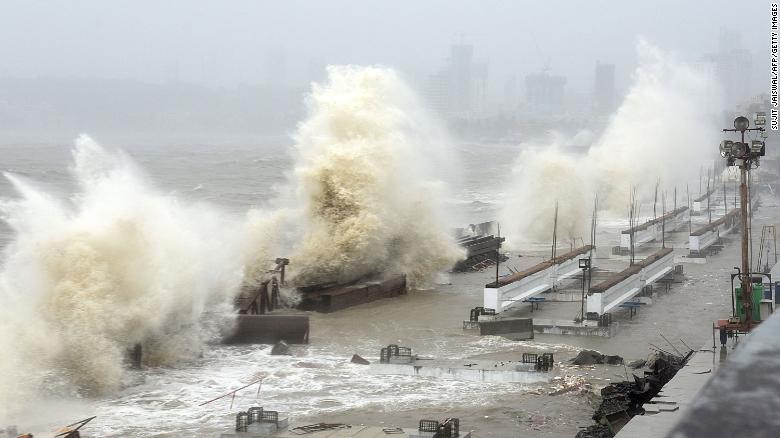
317	380
234	178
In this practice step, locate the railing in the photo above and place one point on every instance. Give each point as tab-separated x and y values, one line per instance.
479	311
391	351
255	415
450	428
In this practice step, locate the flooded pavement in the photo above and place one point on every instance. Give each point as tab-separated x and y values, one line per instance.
318	383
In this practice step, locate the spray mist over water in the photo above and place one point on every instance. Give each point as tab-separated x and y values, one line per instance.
547	176
665	127
120	264
367	197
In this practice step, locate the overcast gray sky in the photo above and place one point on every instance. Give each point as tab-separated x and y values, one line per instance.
226	42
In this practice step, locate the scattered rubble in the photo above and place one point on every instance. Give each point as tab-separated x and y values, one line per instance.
569	383
478	262
281	348
592	357
359	360
622	400
595	431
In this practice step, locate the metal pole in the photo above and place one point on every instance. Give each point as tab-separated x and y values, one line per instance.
498	251
555	234
582	300
233	392
663	220
701	171
709	212
747	292
688	200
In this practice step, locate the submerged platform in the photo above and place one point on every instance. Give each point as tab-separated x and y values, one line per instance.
330	298
292	328
571	328
470	370
529	368
257	422
360	431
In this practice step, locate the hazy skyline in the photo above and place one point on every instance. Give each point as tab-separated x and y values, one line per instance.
228	43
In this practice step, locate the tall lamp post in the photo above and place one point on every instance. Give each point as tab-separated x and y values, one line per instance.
745	156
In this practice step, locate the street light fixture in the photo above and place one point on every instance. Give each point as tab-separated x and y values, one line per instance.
726	148
745	157
741	123
757	148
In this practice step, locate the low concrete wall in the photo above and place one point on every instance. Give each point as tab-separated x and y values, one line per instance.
515	328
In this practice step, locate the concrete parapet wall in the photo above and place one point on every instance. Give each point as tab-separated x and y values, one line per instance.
626	284
533	281
701	239
653	230
603	302
657	269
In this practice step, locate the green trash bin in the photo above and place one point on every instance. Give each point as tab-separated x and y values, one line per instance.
758	295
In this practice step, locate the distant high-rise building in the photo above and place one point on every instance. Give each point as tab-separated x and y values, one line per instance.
604	88
479	87
461	72
544	93
461	88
